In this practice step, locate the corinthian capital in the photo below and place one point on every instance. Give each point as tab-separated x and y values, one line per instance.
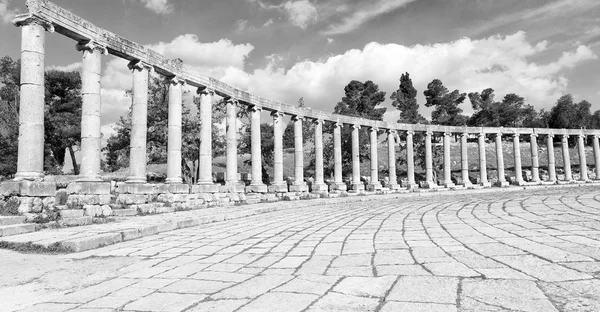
139	65
91	46
28	18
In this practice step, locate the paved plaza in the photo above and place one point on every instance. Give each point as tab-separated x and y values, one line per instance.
527	250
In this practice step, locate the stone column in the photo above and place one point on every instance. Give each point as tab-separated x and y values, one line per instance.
428	162
582	160
299	184
374	184
500	161
464	159
30	159
483	179
279	185
551	162
338	183
357	185
232	181
596	144
319	183
410	161
256	185
91	106
535	161
517	154
393	183
174	131
566	158
205	178
447	164
139	122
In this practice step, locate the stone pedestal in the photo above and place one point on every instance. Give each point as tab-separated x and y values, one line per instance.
92	188
233	187
257	188
374	186
485	184
179	188
356	187
299	187
278	188
205	188
319	187
335	186
501	184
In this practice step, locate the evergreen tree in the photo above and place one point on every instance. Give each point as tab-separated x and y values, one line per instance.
405	100
446	104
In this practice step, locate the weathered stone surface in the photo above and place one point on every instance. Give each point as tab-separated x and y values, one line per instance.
25	204
124	212
36	205
97	188
42	189
77	221
130	199
15	229
8	188
179	188
72	213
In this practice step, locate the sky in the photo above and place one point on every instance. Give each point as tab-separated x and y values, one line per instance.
284	50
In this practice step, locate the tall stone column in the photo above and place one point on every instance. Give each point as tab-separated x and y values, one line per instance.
174	131
483	179
139	122
338	183
428	162
299	184
582	160
464	159
256	185
357	185
551	161
205	160
232	181
393	183
30	159
91	106
596	144
319	183
500	161
374	184
517	154
535	161
410	161
566	158
447	161
278	185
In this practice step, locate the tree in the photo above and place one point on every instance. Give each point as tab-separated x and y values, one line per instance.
446	104
9	115
405	100
569	115
360	100
288	133
266	148
511	112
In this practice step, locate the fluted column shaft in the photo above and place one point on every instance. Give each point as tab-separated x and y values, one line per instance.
391	134
582	160
535	161
256	146
231	176
205	161
139	122
30	159
410	159
517	154
298	151
551	161
500	159
596	144
337	154
482	161
277	148
464	159
319	152
375	184
566	158
174	131
447	161
91	106
428	160
356	183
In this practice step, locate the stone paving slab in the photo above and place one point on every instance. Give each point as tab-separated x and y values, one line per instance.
472	251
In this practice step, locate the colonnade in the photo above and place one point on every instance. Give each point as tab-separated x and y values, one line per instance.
31	134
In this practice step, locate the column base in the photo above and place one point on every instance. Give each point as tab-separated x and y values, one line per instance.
233	187
89	179
89	188
338	186
502	184
256	188
449	184
174	181
136	180
357	187
394	187
519	183
299	187
548	182
411	186
278	188
428	185
374	186
179	188
37	189
205	188
485	184
319	187
20	176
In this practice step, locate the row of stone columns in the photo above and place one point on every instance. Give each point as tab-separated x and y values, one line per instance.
31	134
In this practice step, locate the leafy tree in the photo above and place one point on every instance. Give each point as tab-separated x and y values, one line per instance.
9	115
511	112
405	100
446	104
595	120
569	115
266	148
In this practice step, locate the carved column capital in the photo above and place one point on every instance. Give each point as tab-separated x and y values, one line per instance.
481	134
464	134
254	108
371	129
277	114
205	91
447	133
564	137
499	135
91	46
139	65
318	121
579	136
551	135
297	118
174	80
533	135
28	18
596	136
429	133
338	124
516	135
410	132
390	131
355	126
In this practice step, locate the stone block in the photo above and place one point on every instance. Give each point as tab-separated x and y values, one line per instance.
319	187
135	188
337	186
257	188
92	242
179	188
49	203
79	221
61	197
37	205
15	229
105	199
124	212
357	187
78	201
205	188
131	199
10	220
92	210
106	211
25	204
235	187
96	188
277	188
164	209
374	186
8	188
72	213
41	189
298	188
501	184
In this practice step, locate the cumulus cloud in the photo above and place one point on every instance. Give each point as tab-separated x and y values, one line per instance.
6	14
67	68
301	13
158	6
364	13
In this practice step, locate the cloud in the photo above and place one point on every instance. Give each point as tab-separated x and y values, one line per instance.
158	6
66	68
301	13
6	14
362	14
499	62
240	25
330	40
267	23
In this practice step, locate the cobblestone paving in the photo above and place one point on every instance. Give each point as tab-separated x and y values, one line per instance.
512	251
